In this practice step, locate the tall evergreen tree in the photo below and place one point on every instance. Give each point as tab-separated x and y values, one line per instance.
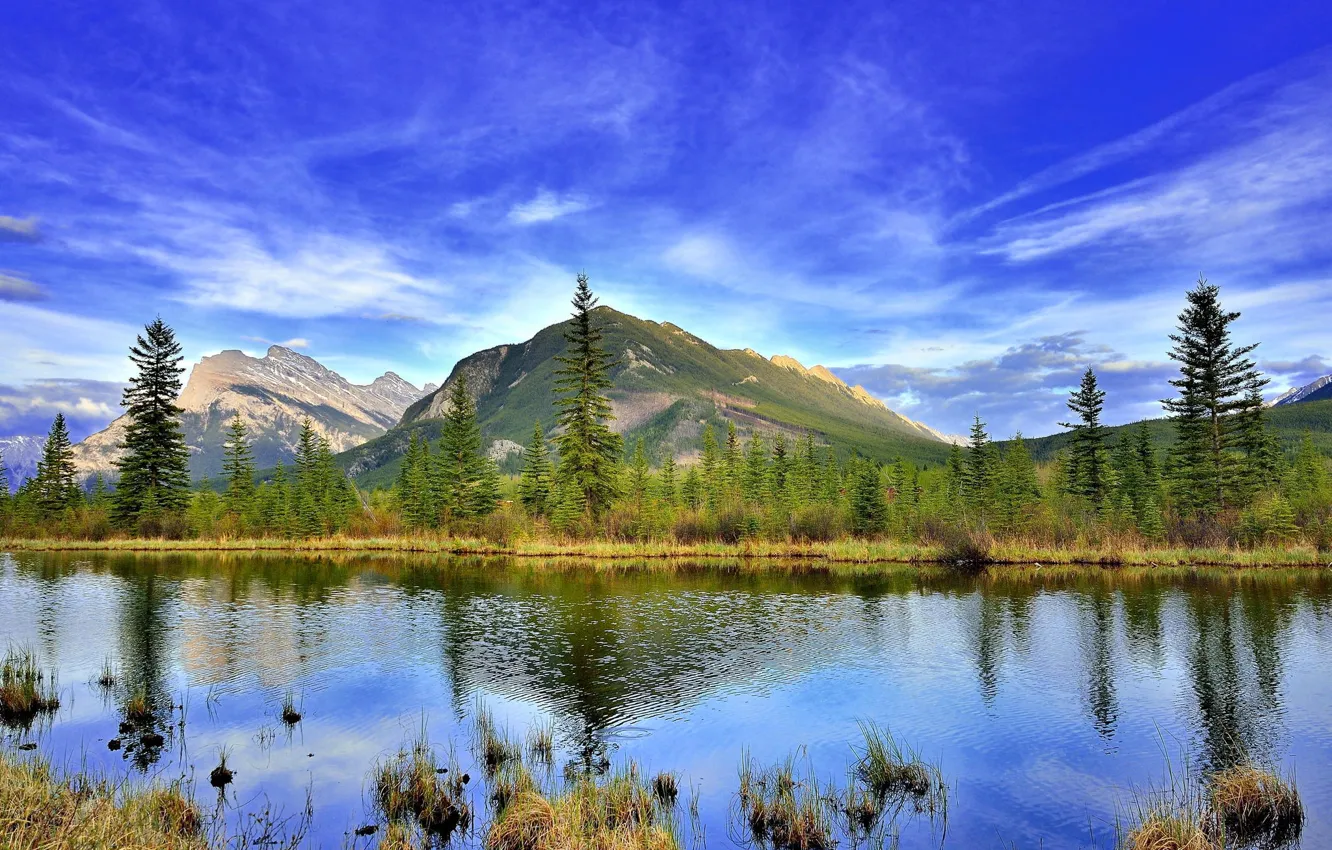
536	481
667	488
692	490
461	469
1087	455
56	483
589	449
979	484
639	474
238	467
156	462
732	463
5	498
869	508
1018	490
755	483
1217	387
711	469
416	490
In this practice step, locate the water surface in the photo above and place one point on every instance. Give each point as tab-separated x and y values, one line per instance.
1044	698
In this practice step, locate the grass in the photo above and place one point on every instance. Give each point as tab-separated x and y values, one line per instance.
1256	805
290	714
411	790
106	680
781	808
666	788
1008	551
26	691
221	776
541	742
42	810
617	812
494	748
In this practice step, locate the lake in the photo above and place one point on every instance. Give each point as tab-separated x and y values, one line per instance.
1044	697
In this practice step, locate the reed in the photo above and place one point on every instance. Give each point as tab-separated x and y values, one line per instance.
1256	806
412	790
26	690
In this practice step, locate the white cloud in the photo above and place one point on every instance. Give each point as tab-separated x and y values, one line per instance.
16	288
547	206
19	229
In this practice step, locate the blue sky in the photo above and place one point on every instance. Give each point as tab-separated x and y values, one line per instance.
959	206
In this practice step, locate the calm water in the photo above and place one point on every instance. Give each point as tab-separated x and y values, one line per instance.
1044	700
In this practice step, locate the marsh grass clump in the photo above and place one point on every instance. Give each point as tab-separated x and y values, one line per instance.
781	808
541	742
889	770
25	689
493	746
106	680
139	707
291	715
411	788
1173	816
616	812
1164	830
1256	805
509	782
666	789
41	808
221	776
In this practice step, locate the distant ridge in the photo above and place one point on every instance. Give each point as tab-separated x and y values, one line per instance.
273	394
1318	390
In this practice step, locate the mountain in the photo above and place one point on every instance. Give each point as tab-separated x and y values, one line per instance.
1319	390
668	384
273	394
20	455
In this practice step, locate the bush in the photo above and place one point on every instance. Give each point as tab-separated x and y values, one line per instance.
817	523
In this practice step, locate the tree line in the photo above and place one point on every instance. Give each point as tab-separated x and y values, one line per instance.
1225	479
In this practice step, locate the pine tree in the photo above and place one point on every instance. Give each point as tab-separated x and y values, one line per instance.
980	470
589	449
639	474
238	468
536	481
460	469
804	471
57	485
1217	386
1262	452
955	483
667	489
732	462
156	461
5	499
781	470
1019	489
1087	474
755	484
486	493
869	508
692	491
570	506
415	491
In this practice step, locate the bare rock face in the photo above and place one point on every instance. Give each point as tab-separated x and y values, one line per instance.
273	395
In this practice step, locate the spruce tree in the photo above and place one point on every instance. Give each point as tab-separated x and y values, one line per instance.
1217	386
639	474
979	480
1087	474
536	481
869	508
1019	489
955	483
56	484
755	484
667	488
589	449
5	499
238	468
154	470
415	490
460	468
693	493
732	462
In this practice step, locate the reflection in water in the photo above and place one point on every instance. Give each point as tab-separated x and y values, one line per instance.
981	666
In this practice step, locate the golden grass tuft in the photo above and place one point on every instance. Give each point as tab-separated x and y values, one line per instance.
412	789
782	810
1253	804
25	689
1164	831
41	810
615	813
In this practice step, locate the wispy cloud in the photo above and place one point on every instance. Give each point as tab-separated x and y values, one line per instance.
547	206
19	229
295	343
16	288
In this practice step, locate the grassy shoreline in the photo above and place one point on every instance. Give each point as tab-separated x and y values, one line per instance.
842	551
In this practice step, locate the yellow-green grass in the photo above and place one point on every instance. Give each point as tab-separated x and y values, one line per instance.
618	812
851	550
40	809
25	689
1253	803
411	791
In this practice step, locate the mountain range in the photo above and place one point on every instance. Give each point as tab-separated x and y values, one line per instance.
273	395
667	385
1319	390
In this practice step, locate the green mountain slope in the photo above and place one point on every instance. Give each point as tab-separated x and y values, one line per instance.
1289	421
667	384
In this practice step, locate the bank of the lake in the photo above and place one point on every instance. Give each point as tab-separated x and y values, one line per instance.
839	551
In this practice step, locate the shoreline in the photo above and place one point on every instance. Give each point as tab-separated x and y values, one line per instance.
844	551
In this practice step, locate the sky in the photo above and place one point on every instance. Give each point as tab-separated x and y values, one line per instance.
959	206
